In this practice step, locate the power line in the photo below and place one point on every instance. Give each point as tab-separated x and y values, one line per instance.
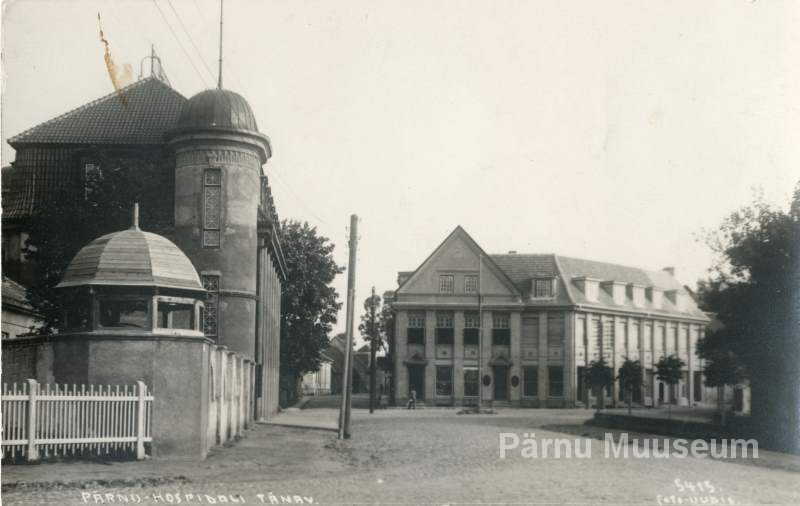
166	21
191	39
298	197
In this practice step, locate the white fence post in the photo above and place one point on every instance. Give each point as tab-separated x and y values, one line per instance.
141	389
33	389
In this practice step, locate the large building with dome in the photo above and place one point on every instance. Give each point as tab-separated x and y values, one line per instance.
214	196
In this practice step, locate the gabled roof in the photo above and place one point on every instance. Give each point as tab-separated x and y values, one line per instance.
576	267
472	244
15	296
140	113
522	268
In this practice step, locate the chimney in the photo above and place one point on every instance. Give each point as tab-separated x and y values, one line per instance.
670	270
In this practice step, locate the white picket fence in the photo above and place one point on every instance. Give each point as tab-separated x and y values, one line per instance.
47	420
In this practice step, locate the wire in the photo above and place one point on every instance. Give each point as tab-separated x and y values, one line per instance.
166	21
197	50
299	198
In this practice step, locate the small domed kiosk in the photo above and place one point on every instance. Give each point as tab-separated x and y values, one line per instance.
133	282
134	313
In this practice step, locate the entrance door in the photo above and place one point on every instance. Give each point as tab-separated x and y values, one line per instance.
501	383
416	381
581	385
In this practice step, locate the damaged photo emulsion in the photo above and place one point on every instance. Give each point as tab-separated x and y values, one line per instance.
581	448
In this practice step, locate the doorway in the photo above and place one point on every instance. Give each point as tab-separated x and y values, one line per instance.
501	383
416	381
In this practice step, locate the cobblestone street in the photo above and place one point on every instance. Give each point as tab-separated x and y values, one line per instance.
403	457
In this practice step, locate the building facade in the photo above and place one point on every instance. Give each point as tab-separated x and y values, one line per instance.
520	329
206	156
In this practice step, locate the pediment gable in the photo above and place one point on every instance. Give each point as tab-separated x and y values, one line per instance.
460	256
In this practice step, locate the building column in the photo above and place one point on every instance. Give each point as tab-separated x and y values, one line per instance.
430	355
690	365
570	367
401	354
542	368
487	392
458	357
616	340
515	352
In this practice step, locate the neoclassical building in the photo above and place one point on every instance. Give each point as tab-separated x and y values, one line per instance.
519	329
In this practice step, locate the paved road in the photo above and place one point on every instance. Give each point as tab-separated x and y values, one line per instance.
432	456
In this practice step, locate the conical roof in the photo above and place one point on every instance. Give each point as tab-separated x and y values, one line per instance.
132	258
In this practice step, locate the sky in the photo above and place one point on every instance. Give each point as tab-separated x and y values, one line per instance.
610	130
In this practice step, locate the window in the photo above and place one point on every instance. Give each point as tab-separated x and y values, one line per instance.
543	288
470	284
472	320
444	327
124	313
471	337
501	333
446	283
6	336
472	324
77	314
212	207
444	380
416	328
175	315
211	313
500	321
556	381
530	386
470	382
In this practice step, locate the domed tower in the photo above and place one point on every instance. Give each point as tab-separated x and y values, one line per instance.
218	179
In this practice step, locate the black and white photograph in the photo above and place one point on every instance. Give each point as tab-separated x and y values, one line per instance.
444	252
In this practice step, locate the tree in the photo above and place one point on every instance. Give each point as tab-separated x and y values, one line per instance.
366	327
309	304
71	219
382	330
721	369
753	290
669	370
630	379
598	377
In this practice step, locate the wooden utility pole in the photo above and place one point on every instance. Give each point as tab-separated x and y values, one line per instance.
373	345
347	373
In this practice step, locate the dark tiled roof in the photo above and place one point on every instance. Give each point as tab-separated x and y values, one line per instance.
15	295
138	114
522	268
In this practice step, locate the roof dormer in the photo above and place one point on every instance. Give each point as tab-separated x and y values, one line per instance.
589	287
636	293
678	298
655	295
616	289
